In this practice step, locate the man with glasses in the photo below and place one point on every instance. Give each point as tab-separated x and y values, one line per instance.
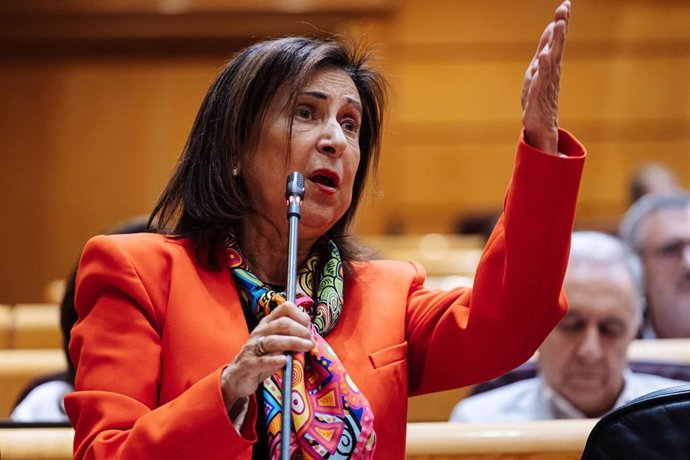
657	227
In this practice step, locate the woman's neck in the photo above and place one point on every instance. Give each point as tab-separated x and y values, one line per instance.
265	248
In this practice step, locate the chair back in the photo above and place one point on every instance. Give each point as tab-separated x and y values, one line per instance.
652	426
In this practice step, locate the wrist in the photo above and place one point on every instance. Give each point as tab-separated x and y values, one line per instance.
230	398
546	142
239	408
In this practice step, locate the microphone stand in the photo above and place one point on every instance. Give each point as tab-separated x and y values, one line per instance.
294	192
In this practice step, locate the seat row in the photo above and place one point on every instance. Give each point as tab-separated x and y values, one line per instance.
30	326
19	366
562	439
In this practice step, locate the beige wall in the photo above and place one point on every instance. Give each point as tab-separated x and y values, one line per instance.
93	118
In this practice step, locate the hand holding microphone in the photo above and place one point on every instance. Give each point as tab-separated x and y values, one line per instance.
270	344
286	329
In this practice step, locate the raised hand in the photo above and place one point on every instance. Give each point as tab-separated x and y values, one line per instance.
286	329
541	85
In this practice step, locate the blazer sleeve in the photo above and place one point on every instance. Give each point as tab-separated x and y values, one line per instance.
465	336
116	348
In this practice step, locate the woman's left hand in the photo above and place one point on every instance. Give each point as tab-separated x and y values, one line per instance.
541	85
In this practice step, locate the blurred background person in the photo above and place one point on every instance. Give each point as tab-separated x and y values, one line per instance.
42	399
583	366
657	227
653	178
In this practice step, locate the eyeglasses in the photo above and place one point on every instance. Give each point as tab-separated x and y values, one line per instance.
672	250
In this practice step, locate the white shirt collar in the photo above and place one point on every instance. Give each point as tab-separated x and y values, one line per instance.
562	408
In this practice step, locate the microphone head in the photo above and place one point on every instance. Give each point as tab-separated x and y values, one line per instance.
295	185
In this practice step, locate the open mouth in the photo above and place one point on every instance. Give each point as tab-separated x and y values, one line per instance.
325	179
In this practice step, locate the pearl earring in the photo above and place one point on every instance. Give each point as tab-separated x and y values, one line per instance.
235	171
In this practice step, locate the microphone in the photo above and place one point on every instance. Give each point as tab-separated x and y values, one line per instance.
294	193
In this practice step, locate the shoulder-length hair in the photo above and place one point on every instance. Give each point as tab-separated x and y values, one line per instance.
203	200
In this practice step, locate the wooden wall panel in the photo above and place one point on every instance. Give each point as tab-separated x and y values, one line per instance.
88	144
456	69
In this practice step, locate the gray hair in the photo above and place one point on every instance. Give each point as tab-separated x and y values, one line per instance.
602	248
629	229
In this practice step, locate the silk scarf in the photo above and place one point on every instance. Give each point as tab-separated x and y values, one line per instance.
331	418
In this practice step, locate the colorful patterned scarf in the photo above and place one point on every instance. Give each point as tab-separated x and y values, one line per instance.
331	418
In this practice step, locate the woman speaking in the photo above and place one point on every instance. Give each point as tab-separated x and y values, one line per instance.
182	336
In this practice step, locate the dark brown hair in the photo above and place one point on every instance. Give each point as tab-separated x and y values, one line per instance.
203	200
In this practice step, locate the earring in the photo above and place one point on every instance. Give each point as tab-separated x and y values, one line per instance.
235	171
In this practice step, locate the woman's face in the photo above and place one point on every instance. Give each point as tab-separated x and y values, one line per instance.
324	148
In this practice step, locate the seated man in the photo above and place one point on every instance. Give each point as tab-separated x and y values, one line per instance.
657	227
583	368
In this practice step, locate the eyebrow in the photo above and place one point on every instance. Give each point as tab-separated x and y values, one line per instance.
614	321
324	96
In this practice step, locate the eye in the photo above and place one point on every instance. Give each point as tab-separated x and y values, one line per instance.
571	324
304	112
671	249
612	329
350	125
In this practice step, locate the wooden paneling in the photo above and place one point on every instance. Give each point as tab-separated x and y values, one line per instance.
110	7
88	143
541	440
6	326
81	23
36	326
550	440
547	440
456	70
36	443
97	99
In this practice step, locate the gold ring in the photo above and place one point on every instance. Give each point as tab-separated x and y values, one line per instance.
260	350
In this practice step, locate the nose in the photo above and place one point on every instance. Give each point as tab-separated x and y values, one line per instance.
590	348
332	140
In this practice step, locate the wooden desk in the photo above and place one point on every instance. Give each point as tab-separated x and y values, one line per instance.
6	326
667	350
36	443
546	440
542	440
435	407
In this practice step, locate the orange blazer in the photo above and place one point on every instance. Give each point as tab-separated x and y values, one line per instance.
156	329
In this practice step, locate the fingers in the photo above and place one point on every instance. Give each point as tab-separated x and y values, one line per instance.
541	84
558	41
563	12
280	344
544	40
543	49
252	366
286	329
292	311
244	375
553	37
288	320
